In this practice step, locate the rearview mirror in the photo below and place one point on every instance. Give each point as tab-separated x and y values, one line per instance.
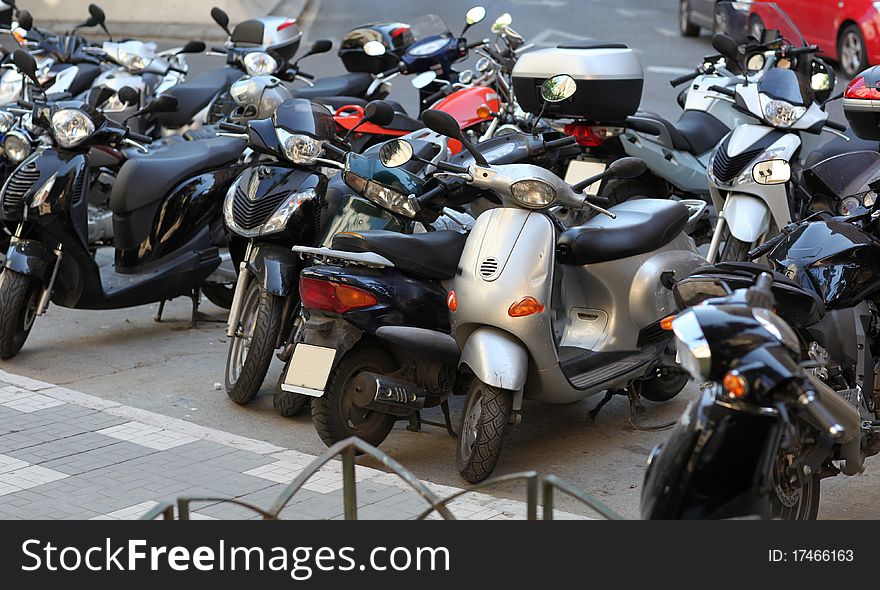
424	79
99	95
627	168
25	20
558	88
396	152
378	112
163	104
374	48
221	18
26	64
128	96
501	23
475	15
97	15
442	123
194	46
726	46
321	46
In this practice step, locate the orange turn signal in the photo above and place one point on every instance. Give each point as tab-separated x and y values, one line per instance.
666	323
735	384
483	111
451	301
525	306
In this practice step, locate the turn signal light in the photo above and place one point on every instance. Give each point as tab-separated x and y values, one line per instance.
483	111
335	297
666	323
525	306
735	384
451	301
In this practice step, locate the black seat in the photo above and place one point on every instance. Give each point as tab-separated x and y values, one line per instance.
695	131
337	102
642	225
432	255
145	180
195	94
353	84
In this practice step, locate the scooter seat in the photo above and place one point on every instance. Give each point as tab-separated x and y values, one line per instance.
433	255
352	84
195	94
695	132
145	180
642	225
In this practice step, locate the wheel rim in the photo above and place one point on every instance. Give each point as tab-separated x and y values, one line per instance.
29	314
355	417
851	52
471	426
241	341
790	501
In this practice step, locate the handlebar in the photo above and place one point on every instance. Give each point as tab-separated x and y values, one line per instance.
333	149
772	242
836	126
222	50
723	90
559	143
138	137
476	44
391	71
430	195
305	75
429	100
803	50
231	127
812	407
682	79
597	200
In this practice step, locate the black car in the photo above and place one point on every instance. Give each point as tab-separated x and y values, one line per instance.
694	14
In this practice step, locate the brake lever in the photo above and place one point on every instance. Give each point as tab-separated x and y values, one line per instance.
139	146
599	209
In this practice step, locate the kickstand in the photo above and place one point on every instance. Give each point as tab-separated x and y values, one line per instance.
415	422
196	297
447	418
609	395
158	317
635	403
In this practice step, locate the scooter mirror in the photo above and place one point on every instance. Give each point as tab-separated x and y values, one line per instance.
374	48
26	64
726	46
475	15
322	46
99	95
442	123
378	112
164	104
128	96
97	15
25	20
395	153
466	76
422	80
558	88
501	23
221	18
194	46
627	168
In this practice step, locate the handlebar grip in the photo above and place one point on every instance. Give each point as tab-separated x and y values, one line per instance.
231	127
682	79
429	100
391	71
139	138
723	90
449	167
803	50
812	407
559	143
305	75
26	104
430	195
219	49
834	125
765	247
476	44
597	200
334	149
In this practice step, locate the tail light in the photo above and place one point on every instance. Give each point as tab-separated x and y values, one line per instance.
859	89
335	297
591	135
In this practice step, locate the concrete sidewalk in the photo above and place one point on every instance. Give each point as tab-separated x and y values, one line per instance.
68	455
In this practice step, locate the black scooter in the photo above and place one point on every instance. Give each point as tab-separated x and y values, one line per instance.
167	217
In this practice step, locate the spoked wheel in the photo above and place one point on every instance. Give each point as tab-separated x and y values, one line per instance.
851	51
334	414
219	294
790	500
251	348
19	298
483	428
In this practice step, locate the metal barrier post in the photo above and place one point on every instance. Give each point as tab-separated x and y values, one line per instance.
349	484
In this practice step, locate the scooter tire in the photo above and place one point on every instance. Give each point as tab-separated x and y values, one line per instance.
261	315
661	388
19	298
482	431
289	404
334	415
735	250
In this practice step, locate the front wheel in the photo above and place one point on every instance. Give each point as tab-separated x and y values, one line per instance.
251	348
19	298
483	428
789	500
735	250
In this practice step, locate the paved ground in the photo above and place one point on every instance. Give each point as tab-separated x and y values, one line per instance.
123	356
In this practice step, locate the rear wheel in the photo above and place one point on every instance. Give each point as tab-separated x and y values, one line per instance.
484	424
685	26
851	51
289	404
19	298
251	348
661	387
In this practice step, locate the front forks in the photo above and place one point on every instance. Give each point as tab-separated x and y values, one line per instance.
46	294
241	286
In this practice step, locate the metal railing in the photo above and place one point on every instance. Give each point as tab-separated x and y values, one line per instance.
540	490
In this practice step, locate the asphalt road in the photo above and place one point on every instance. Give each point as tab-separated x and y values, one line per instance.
164	367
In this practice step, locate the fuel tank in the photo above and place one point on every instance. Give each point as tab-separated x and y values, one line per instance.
463	105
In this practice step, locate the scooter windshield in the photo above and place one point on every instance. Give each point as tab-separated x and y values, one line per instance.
786	85
757	22
300	115
429	25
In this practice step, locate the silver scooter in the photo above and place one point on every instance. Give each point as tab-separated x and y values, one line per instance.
557	314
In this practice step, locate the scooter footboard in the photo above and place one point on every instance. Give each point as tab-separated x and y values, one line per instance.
496	358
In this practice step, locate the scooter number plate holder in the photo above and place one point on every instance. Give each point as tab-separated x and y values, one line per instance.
581	169
309	370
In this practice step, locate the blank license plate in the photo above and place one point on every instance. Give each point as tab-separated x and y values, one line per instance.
309	369
581	169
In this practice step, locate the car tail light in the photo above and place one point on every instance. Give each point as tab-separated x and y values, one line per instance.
335	297
858	88
591	135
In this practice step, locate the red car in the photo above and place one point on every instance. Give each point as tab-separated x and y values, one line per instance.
846	30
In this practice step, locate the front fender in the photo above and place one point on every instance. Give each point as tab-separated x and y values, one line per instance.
747	217
31	258
275	268
496	358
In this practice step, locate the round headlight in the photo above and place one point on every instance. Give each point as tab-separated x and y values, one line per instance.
7	121
259	63
17	146
71	126
298	148
848	205
780	113
533	193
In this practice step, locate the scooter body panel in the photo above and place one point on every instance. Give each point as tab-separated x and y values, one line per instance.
683	170
463	104
747	217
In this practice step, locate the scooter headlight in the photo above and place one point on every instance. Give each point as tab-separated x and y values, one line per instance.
691	345
259	63
17	146
298	148
71	127
7	121
780	113
533	194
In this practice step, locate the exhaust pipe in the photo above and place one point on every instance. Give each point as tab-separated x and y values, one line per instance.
372	391
848	416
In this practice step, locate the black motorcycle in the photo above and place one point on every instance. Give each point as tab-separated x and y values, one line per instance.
767	430
167	217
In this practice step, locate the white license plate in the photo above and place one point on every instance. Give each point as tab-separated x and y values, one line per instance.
581	169
308	370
